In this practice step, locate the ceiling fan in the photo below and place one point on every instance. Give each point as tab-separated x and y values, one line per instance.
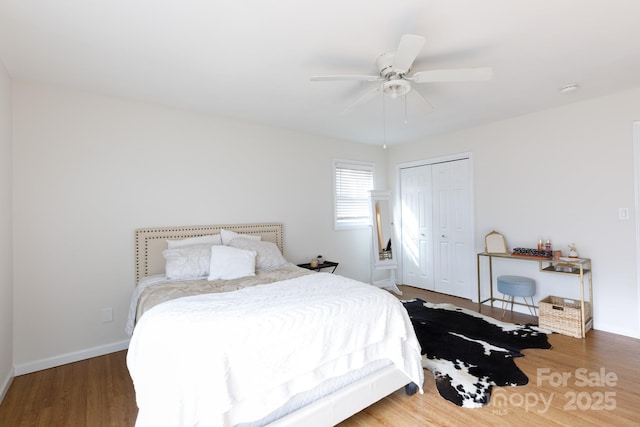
393	73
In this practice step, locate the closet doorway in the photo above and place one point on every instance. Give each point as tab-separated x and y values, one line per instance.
436	228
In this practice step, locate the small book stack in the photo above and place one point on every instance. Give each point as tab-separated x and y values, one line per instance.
532	252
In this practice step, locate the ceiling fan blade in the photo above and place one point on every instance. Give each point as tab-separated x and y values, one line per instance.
363	99
365	78
454	75
408	49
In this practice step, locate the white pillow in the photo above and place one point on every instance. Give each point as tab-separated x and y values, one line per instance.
228	236
231	263
187	262
210	239
268	255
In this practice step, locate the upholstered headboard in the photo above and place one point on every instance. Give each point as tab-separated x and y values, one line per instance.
150	242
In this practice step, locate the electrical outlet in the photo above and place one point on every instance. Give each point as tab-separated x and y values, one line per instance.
623	213
107	315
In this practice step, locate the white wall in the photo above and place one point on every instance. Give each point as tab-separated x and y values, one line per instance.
90	169
6	259
559	174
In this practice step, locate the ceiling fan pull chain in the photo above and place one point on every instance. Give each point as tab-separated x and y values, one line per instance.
405	109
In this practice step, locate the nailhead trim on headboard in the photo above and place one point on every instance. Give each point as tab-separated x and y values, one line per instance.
149	255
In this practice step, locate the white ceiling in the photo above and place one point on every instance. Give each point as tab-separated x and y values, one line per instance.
252	59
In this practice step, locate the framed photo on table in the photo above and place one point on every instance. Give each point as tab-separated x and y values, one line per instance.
494	243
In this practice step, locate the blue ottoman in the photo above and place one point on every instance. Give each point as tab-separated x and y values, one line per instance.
517	286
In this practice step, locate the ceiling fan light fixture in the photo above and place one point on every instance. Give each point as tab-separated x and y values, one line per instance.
396	88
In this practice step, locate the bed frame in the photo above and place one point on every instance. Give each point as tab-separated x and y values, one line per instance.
330	410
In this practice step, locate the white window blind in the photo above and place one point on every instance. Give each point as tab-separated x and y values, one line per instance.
353	181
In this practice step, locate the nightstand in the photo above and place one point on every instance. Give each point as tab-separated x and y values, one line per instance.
326	264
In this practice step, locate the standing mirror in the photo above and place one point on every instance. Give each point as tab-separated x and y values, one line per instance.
382	247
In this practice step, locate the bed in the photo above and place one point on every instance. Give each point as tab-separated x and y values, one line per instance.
283	346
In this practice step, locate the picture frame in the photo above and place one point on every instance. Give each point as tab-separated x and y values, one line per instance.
495	243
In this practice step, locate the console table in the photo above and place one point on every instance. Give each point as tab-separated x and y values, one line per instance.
579	268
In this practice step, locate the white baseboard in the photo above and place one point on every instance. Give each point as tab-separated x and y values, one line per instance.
38	365
6	383
627	332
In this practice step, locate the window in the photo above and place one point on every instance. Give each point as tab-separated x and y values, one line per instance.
352	183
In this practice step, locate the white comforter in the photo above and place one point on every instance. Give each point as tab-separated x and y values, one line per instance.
222	359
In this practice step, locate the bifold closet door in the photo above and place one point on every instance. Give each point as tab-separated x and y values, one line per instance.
416	228
452	234
436	227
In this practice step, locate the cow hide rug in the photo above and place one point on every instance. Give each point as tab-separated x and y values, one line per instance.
469	353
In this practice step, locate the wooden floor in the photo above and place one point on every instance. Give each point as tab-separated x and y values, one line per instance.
595	381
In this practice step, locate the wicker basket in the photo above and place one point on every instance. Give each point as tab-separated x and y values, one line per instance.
563	315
